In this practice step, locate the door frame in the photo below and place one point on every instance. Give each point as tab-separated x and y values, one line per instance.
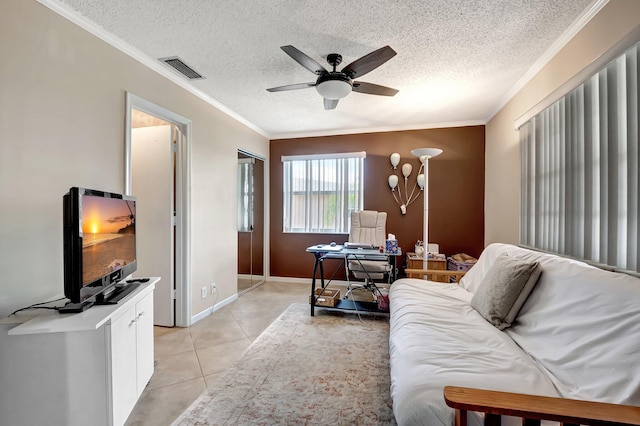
183	197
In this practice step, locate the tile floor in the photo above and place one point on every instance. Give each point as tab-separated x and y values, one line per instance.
189	358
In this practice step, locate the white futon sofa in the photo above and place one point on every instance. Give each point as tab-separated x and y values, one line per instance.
576	336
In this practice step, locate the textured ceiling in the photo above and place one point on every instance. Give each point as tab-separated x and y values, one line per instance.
457	60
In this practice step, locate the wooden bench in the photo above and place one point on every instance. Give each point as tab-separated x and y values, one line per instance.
432	273
532	408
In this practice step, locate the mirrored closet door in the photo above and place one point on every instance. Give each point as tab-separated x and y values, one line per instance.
250	221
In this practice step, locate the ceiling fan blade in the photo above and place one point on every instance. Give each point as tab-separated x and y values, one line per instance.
330	103
373	89
291	87
304	60
369	62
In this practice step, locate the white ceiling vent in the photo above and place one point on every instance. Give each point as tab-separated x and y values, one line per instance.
184	69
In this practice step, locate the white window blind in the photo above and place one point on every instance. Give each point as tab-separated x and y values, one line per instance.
321	191
579	159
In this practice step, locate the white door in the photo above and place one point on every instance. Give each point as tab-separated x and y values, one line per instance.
152	182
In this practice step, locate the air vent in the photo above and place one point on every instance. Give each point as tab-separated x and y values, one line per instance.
184	69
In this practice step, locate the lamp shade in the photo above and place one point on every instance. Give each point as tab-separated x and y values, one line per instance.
427	152
406	169
393	181
395	159
421	180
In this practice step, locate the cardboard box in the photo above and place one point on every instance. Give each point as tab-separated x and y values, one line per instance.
460	262
329	297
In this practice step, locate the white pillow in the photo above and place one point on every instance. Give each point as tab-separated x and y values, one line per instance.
504	289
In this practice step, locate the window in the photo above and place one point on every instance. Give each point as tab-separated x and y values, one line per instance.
321	191
580	184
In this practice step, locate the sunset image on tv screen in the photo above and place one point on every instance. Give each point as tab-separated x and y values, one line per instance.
108	236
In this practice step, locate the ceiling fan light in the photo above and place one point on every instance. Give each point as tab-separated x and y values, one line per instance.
333	89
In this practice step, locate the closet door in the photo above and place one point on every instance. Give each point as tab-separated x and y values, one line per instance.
250	221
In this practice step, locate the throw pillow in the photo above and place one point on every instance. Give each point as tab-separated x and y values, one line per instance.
504	290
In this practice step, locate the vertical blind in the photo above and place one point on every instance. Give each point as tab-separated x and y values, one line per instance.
321	191
579	170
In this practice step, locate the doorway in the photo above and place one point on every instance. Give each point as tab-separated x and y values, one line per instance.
156	172
250	221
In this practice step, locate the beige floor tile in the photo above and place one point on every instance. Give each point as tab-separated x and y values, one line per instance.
191	359
218	358
215	334
211	379
174	341
217	317
158	407
255	325
176	368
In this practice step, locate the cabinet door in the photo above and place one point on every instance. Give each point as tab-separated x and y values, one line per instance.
144	343
124	391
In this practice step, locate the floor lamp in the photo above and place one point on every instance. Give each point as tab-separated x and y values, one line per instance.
425	154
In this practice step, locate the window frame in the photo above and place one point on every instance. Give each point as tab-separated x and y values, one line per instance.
317	185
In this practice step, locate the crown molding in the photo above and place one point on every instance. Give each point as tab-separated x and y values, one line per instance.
561	42
337	132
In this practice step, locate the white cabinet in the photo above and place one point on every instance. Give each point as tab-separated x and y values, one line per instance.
131	337
78	369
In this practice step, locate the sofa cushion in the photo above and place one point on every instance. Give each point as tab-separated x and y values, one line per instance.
504	290
474	276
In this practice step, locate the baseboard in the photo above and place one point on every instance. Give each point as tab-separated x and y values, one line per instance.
306	281
197	317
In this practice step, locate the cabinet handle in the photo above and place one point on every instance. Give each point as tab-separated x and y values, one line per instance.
133	321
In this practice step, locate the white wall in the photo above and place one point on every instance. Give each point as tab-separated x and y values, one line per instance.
502	167
62	109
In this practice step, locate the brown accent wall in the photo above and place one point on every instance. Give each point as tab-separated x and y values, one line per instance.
456	192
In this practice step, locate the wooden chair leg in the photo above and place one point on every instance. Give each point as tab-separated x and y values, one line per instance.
461	418
491	419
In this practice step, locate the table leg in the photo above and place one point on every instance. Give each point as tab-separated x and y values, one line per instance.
312	298
394	271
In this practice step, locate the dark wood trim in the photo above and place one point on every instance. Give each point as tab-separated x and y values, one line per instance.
566	411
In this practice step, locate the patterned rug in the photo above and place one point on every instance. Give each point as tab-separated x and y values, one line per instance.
331	369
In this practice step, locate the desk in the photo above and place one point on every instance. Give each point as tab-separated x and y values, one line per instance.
322	252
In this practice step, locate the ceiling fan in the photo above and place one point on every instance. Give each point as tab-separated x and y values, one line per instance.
335	85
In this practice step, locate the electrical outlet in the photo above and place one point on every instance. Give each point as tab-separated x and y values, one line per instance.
213	288
204	292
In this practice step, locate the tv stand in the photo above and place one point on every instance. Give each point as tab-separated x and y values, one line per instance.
117	294
88	368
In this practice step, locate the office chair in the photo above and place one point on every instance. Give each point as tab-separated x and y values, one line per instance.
368	227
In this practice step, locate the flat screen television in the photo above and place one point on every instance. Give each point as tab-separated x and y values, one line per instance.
99	243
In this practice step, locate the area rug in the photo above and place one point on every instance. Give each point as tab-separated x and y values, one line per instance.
330	369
